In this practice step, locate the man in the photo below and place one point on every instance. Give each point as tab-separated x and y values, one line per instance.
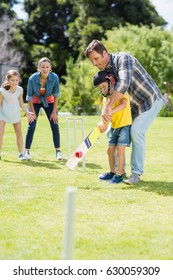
146	98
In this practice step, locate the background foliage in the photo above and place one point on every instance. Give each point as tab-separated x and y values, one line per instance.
153	46
61	30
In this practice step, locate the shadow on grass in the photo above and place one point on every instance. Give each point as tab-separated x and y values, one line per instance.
51	164
159	187
41	163
86	188
91	165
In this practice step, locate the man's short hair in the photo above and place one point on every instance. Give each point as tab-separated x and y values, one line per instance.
95	45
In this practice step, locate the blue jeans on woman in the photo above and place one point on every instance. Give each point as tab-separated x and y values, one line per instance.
138	130
32	126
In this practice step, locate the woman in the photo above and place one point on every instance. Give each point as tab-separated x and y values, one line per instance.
43	92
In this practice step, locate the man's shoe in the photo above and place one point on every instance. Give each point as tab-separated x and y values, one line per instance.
27	155
106	176
116	179
21	157
58	155
133	179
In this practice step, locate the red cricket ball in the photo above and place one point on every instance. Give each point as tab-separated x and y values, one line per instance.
79	154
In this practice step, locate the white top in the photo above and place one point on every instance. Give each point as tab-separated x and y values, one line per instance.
10	108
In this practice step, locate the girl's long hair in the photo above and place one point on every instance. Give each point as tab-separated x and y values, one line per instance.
9	74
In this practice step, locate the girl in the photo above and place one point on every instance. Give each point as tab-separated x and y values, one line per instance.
11	99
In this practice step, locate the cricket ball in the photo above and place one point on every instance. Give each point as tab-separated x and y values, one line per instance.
79	154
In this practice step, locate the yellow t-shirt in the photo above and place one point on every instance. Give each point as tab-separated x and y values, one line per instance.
123	117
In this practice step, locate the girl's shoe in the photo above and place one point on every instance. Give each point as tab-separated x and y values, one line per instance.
58	155
27	155
21	157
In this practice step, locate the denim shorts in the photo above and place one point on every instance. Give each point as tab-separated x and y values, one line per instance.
120	136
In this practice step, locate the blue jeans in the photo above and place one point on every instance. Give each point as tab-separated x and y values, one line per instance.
138	130
120	136
108	134
32	126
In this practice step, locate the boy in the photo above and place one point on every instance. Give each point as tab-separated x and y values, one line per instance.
119	135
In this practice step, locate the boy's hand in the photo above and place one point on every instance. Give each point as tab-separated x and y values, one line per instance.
102	127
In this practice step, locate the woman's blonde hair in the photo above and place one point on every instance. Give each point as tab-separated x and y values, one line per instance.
43	59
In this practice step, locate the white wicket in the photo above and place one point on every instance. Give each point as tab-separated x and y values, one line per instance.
69	223
75	121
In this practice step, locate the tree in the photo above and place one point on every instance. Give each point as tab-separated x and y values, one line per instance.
78	95
152	46
6	8
94	17
45	31
9	53
62	28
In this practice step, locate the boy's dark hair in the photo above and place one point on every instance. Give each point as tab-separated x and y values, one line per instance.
95	45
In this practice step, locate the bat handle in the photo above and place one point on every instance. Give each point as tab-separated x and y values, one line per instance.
100	125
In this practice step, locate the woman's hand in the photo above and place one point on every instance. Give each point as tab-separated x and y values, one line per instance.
54	117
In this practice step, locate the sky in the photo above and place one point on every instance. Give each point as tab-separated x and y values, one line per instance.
163	7
19	10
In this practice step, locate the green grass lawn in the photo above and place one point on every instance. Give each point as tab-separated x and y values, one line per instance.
111	222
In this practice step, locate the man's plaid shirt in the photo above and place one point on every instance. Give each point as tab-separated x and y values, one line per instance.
131	77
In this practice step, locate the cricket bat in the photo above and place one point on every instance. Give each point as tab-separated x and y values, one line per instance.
83	148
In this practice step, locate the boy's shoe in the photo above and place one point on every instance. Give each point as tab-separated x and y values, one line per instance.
133	179
116	179
27	155
58	155
21	157
124	175
106	176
